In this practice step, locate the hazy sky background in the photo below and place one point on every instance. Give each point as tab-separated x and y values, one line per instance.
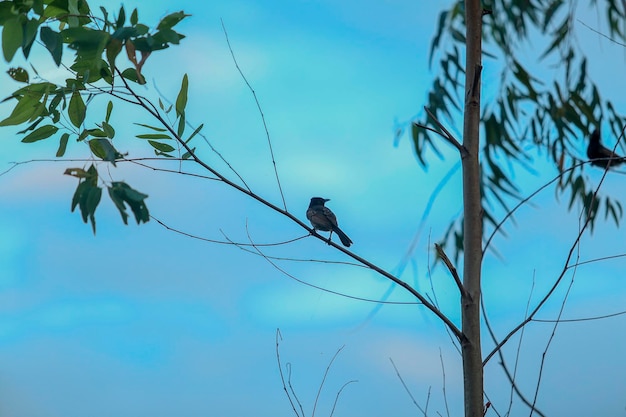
142	321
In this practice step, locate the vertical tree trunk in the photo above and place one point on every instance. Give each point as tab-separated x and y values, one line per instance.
472	215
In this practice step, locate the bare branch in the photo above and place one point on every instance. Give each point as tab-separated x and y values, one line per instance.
447	135
319	391
338	394
279	337
407	388
258	105
452	269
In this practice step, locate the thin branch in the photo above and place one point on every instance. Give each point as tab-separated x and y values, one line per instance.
338	394
258	105
208	142
319	390
452	269
606	316
407	388
558	280
322	288
293	391
443	373
279	337
447	135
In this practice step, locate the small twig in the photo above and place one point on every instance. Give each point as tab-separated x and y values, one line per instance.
452	269
407	388
443	373
447	135
279	337
338	394
322	288
319	390
258	105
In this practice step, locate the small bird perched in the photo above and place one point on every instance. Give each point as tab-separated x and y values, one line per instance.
325	220
599	155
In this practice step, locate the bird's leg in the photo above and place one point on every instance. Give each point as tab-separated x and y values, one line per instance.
329	236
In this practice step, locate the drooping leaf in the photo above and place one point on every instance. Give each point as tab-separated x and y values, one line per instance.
87	195
122	194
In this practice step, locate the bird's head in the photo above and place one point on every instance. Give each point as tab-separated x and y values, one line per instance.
319	201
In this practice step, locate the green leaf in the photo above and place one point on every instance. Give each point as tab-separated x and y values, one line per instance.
72	8
131	75
76	110
171	20
195	132
87	195
163	147
30	33
158	129
154	136
62	145
108	130
18	74
113	49
40	133
104	150
133	17
122	194
12	35
181	125
187	155
27	108
109	110
121	18
181	100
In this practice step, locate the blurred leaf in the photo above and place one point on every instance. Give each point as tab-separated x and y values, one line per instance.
12	35
87	195
122	194
103	149
171	20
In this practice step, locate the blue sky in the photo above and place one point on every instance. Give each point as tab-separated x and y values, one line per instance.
139	321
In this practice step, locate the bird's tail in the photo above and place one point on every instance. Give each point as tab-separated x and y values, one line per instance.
343	237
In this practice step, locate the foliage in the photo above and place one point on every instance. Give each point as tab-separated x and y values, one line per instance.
48	109
527	115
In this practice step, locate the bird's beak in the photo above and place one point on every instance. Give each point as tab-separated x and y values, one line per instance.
326	199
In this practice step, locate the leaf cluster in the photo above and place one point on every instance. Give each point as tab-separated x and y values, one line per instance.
46	109
527	115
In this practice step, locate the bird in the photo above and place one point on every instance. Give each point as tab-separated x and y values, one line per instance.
322	218
601	156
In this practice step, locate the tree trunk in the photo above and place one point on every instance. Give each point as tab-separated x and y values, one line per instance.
472	215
